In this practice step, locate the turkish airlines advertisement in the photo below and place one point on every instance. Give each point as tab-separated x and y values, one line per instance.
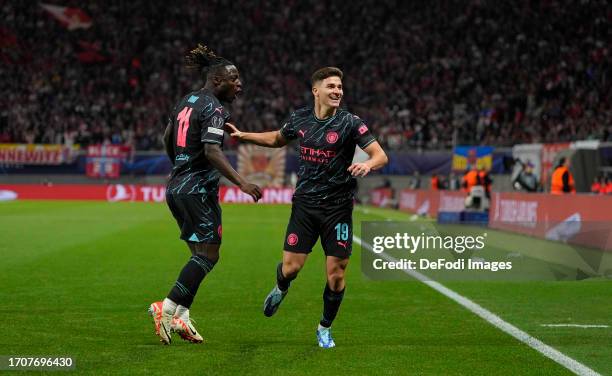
129	192
581	219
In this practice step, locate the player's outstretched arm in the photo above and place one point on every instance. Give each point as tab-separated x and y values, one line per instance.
378	158
215	156
272	139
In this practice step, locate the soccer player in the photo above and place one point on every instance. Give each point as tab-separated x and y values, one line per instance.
193	140
323	198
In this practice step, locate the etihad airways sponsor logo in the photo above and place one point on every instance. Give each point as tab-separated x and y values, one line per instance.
316	155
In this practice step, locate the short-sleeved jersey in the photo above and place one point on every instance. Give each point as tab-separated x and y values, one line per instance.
197	119
326	151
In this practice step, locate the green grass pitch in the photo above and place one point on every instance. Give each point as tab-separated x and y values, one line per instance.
76	279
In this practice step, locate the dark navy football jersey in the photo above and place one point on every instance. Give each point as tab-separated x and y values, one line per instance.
326	151
197	119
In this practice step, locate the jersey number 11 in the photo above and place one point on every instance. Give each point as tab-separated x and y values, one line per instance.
183	119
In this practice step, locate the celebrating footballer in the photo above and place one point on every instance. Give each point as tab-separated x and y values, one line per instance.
323	199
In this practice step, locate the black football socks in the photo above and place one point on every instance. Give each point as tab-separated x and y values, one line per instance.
282	281
331	305
188	282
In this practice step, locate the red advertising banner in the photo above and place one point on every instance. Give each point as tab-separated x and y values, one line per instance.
577	219
381	197
129	192
431	202
270	195
420	201
452	201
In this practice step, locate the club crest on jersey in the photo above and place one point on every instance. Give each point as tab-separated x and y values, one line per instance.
217	121
331	137
363	129
292	239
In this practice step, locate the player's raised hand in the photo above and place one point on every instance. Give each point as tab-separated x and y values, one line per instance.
233	131
359	169
251	190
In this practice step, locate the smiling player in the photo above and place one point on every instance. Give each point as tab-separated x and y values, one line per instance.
323	198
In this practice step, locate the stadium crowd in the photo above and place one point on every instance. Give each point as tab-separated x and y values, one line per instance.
422	74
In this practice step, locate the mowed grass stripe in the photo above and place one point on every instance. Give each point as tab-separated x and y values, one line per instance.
493	319
45	227
89	301
528	304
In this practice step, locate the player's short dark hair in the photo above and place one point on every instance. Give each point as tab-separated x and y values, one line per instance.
205	60
324	73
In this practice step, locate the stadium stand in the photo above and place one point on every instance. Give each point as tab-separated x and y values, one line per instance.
495	73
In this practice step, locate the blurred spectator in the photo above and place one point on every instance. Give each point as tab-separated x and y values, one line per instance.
562	180
415	181
422	74
436	184
526	180
453	182
607	186
599	185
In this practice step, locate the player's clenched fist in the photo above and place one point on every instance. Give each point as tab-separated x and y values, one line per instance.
252	190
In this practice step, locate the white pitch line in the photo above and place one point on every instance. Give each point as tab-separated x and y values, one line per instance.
574	326
546	350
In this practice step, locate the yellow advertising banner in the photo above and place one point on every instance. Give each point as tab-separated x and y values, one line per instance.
36	154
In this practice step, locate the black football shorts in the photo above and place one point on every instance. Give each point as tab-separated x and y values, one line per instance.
198	216
333	223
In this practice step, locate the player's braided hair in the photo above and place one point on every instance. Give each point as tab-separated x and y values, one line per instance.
204	60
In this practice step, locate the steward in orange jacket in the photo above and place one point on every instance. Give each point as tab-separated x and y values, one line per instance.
562	180
435	182
470	179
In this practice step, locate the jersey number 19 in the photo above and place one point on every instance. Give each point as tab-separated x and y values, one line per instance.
342	231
